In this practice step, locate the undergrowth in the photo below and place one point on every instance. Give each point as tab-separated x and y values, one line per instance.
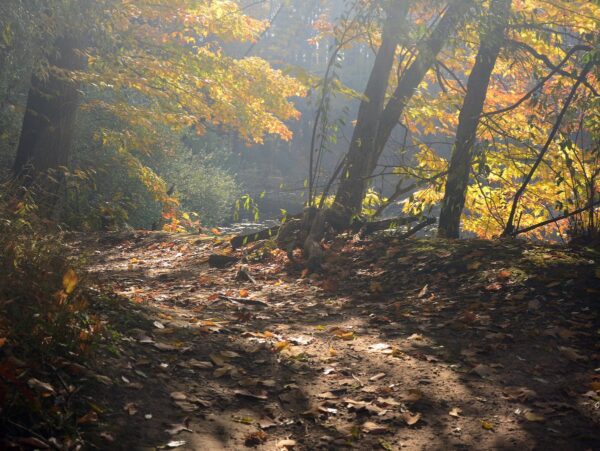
45	325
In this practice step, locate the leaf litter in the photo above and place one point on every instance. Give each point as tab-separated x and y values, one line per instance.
383	356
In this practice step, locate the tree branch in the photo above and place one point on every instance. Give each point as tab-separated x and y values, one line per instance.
541	83
509	229
559	218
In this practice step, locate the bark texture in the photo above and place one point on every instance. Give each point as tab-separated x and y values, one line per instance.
48	124
374	127
365	132
491	41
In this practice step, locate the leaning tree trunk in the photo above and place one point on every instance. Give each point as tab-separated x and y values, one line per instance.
369	112
50	117
364	154
492	39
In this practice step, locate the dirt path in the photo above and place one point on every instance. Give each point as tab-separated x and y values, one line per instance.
423	345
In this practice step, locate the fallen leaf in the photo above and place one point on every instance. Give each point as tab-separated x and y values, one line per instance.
266	424
411	395
89	418
504	274
130	408
411	419
376	287
261	395
165	347
255	438
521	394
531	416
373	428
473	266
388	402
572	354
281	345
455	412
103	379
380	347
175	444
225	370
377	377
186	406
178	396
107	436
495	286
487	425
70	281
43	388
200	365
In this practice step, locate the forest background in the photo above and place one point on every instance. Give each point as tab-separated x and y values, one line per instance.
194	111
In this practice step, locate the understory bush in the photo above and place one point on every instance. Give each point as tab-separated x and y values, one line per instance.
44	319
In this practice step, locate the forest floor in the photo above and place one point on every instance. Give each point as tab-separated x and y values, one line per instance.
419	344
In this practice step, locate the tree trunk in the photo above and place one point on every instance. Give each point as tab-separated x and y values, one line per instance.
369	112
49	120
492	39
373	131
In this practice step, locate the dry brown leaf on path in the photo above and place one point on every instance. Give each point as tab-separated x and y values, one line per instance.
286	444
89	418
377	377
261	395
166	347
572	354
177	428
193	363
410	419
455	412
411	395
520	394
387	402
178	396
130	408
379	347
373	428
